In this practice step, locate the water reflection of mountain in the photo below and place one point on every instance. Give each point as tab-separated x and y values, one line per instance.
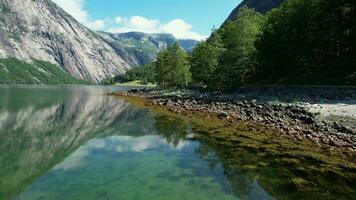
41	127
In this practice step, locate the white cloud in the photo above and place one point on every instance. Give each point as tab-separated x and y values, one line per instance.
180	29
118	19
77	10
118	144
177	27
74	8
96	25
135	23
142	23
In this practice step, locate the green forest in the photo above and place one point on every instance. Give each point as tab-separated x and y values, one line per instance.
309	42
14	71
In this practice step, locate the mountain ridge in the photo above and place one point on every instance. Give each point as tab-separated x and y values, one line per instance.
261	6
42	30
141	48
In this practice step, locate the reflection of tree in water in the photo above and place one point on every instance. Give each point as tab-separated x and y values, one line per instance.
173	130
253	166
283	175
242	185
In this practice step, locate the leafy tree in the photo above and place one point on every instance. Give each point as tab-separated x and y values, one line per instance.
172	67
162	68
300	42
204	60
336	37
283	41
143	73
308	42
238	61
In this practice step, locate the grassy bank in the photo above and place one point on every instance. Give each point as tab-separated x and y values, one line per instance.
136	83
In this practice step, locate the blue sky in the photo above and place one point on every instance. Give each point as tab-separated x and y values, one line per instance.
183	18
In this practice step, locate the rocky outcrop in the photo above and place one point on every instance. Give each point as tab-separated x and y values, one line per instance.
188	44
39	29
261	6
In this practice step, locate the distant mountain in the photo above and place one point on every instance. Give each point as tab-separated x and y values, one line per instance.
139	48
188	44
261	6
41	30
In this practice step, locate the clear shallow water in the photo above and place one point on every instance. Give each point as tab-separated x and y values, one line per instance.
73	142
124	167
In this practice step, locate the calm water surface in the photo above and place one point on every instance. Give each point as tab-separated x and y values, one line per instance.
73	142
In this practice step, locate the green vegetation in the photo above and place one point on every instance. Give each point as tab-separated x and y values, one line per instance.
14	71
135	84
144	51
144	74
172	68
140	48
311	42
204	60
238	61
4	9
300	42
232	53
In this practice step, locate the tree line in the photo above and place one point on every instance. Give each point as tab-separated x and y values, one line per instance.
300	42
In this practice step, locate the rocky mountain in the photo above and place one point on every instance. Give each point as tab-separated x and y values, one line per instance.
139	48
188	44
41	30
261	6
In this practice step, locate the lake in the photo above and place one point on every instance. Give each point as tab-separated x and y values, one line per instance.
75	142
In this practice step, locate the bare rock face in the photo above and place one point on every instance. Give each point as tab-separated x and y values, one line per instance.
262	6
39	29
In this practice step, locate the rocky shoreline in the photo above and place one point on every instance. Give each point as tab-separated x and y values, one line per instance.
293	112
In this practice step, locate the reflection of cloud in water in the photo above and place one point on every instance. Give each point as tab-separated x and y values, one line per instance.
117	144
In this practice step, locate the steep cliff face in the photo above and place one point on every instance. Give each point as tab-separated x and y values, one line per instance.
141	48
261	6
41	30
